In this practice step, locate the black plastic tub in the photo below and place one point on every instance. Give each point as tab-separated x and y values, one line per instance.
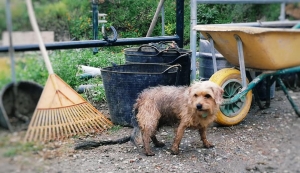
123	83
169	56
17	104
206	69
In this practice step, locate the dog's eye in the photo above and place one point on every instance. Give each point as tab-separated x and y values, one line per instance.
207	96
195	95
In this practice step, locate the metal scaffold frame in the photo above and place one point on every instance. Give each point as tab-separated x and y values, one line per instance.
178	38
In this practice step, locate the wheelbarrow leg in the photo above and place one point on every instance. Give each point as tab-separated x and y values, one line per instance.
295	107
241	60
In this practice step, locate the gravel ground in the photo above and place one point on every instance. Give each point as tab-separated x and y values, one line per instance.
266	141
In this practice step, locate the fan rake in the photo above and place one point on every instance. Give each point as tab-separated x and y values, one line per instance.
60	112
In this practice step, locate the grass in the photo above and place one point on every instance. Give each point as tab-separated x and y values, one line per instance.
19	148
16	148
114	129
31	67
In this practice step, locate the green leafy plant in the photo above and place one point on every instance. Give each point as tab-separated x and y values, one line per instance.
31	68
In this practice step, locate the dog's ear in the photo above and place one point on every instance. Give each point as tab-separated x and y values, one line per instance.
218	94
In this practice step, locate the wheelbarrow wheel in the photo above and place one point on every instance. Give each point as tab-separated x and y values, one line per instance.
230	80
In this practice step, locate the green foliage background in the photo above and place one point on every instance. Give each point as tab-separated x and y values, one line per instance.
131	18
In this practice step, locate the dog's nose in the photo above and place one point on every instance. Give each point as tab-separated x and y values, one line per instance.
199	106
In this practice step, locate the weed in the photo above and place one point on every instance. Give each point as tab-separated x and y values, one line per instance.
96	93
114	129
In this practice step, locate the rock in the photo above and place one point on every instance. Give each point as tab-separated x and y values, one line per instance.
164	134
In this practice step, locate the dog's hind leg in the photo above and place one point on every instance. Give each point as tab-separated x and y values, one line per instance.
146	141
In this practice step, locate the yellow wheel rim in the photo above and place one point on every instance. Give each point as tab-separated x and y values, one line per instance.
230	80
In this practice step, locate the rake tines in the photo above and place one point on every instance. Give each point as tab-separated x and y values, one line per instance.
59	123
51	121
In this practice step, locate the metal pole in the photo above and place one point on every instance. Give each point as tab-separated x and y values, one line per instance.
11	50
179	21
282	12
91	43
95	24
162	20
193	38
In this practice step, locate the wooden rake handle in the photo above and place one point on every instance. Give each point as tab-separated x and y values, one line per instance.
39	36
41	42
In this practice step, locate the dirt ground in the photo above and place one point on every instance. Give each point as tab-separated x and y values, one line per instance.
266	141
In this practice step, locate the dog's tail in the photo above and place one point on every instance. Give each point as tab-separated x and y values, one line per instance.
134	137
94	144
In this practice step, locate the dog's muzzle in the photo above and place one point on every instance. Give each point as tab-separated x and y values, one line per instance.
199	107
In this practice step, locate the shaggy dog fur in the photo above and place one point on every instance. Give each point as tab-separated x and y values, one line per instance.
184	107
194	107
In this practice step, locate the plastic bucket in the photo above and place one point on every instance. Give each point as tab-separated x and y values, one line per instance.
17	109
123	83
206	69
169	56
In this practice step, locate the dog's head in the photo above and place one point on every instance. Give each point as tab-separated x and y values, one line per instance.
205	96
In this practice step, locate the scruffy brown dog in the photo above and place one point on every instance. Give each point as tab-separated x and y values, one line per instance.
194	107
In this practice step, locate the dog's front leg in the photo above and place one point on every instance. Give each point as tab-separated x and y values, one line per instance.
202	132
178	137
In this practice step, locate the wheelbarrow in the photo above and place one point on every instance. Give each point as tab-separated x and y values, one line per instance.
271	51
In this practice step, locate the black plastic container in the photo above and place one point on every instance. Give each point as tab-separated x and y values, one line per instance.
168	56
123	83
17	104
206	69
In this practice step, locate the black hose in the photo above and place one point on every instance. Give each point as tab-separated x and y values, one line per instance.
114	38
93	144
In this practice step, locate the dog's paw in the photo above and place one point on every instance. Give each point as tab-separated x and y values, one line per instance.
174	151
149	154
208	145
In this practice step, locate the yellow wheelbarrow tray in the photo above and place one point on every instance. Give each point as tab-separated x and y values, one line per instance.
272	51
264	48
